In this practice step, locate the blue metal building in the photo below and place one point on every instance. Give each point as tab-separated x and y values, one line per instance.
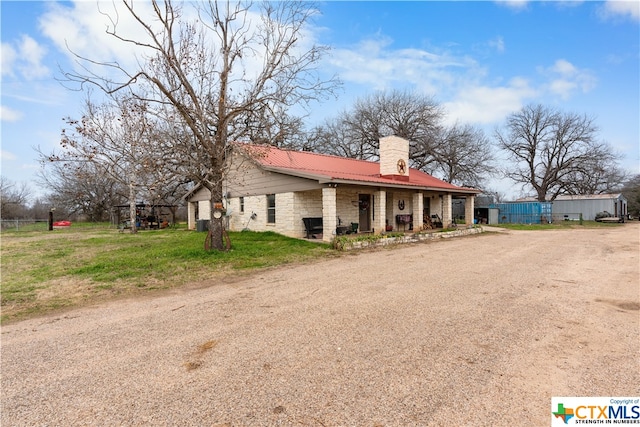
522	212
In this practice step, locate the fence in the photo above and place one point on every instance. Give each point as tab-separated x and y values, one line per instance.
24	224
567	217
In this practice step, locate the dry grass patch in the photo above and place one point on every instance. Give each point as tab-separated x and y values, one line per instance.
190	366
203	348
621	304
197	361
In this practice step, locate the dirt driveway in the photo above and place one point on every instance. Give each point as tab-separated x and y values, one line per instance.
479	330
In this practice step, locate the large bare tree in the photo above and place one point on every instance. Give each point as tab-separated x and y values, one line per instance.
460	154
356	133
80	188
235	65
631	191
463	155
599	176
14	199
554	152
116	140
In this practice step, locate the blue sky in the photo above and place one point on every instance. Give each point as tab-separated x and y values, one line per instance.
481	60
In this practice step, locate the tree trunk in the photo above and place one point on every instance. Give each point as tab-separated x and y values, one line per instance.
215	235
132	206
214	239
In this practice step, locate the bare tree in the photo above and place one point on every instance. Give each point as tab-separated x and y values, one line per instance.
631	191
80	188
14	199
218	73
552	151
337	137
463	155
117	140
278	129
42	206
491	195
460	154
601	175
356	133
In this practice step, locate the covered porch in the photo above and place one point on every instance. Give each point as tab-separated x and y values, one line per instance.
351	209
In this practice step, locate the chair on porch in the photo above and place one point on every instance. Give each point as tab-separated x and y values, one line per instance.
312	226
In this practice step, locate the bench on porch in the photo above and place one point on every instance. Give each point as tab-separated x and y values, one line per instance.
404	220
312	226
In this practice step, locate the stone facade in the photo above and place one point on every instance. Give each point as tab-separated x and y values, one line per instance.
373	206
349	244
338	206
394	152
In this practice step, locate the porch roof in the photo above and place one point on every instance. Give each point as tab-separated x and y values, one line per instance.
341	170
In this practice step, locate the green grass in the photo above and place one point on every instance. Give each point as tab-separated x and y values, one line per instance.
558	225
43	271
48	270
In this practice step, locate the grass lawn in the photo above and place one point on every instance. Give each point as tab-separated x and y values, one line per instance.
43	271
558	225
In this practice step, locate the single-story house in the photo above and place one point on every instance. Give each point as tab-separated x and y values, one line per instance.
303	194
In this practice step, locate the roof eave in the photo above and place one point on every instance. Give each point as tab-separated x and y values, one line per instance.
406	186
326	179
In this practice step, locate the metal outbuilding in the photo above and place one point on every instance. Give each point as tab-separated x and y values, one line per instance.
520	213
589	205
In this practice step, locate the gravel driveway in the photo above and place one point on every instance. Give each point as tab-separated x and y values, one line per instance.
479	330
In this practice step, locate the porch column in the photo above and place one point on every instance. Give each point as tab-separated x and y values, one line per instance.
434	206
191	216
379	211
469	209
329	214
446	210
418	211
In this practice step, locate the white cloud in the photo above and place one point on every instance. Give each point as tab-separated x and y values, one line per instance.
497	44
623	8
458	82
372	63
9	57
565	79
7	156
24	56
516	5
9	115
485	104
31	55
85	30
81	29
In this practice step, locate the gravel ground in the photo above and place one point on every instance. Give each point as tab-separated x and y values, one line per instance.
479	330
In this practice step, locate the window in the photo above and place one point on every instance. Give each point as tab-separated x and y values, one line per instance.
241	204
271	208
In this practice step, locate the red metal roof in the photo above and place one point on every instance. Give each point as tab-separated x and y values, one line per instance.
327	168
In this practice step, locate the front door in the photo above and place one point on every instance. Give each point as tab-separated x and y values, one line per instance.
364	206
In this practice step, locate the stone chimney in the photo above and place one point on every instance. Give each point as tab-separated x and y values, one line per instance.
394	157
